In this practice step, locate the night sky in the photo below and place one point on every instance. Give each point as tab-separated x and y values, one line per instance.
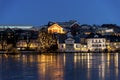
39	12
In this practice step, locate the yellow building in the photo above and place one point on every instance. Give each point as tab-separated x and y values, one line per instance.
22	44
55	28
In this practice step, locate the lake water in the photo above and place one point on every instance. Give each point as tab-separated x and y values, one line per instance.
72	66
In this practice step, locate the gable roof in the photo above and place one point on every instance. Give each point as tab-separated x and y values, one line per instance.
113	38
65	24
64	37
55	25
95	35
77	39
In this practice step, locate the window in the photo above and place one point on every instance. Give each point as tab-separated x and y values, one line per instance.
99	45
59	31
77	46
55	30
62	46
69	45
99	41
95	40
50	31
103	41
92	41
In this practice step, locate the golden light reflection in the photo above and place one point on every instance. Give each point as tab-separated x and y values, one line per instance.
76	58
54	67
88	60
108	59
116	64
64	58
102	67
88	65
50	65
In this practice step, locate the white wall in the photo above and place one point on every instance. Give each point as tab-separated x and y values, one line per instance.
96	43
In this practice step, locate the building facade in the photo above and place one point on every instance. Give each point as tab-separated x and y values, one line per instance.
96	42
55	28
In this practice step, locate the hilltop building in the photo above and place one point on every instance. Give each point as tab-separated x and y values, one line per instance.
62	27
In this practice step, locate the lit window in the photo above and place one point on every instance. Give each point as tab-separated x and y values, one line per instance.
62	46
92	41
99	41
103	40
96	41
77	46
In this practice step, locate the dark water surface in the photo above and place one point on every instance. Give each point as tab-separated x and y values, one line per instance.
72	66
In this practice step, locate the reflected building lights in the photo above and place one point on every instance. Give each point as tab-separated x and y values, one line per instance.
51	66
88	65
56	67
116	64
108	59
88	61
24	59
64	59
103	66
75	58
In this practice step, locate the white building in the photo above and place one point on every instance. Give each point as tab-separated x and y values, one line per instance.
105	31
69	44
16	27
96	42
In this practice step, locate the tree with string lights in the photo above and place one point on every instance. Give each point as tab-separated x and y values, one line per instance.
46	41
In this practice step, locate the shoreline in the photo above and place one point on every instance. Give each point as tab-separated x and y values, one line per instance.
36	52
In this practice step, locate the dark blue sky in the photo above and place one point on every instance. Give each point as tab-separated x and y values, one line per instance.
39	12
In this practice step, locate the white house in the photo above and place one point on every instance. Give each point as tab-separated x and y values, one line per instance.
67	43
96	42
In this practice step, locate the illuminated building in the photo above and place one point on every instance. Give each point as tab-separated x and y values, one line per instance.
55	28
20	38
69	44
62	27
96	42
16	27
105	31
113	43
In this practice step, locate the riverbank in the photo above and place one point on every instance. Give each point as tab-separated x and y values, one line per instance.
34	52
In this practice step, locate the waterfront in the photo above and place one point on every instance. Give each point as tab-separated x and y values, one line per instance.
67	66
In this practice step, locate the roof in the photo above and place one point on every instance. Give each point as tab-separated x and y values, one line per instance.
95	35
64	24
77	39
63	37
19	27
113	38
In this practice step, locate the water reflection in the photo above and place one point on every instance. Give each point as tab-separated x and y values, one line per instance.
72	66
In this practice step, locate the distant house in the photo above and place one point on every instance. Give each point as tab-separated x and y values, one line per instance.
62	27
69	24
67	43
105	31
85	26
55	28
96	42
27	39
86	29
113	42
